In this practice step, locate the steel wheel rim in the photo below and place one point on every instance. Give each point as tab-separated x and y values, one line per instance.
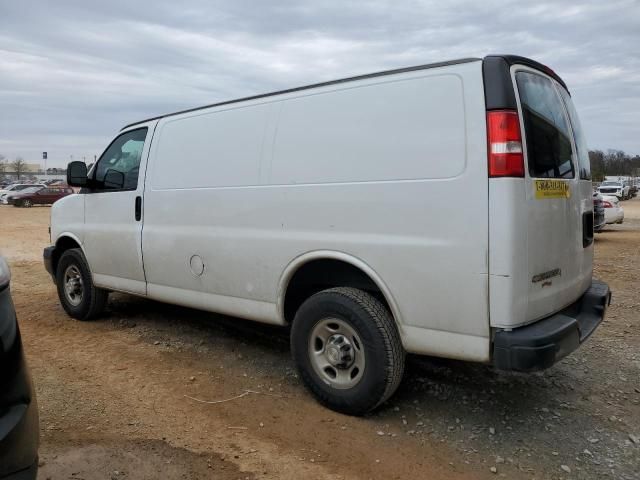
336	353
73	285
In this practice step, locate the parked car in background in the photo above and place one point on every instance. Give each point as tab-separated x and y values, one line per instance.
16	187
613	212
42	196
633	189
18	408
4	198
598	212
614	187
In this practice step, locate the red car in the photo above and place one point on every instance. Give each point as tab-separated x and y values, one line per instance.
38	196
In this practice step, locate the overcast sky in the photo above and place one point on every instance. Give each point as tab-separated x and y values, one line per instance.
73	72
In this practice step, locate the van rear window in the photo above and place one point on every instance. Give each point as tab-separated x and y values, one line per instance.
547	131
584	167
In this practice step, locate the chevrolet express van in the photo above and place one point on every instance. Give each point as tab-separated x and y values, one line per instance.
440	210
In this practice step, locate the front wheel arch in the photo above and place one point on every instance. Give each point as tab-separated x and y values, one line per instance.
63	243
91	300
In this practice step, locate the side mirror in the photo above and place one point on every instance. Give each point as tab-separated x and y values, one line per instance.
77	174
113	179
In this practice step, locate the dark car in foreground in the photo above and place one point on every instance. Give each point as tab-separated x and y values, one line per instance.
18	408
42	196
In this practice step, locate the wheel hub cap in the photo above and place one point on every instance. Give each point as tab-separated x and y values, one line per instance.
339	351
73	285
336	353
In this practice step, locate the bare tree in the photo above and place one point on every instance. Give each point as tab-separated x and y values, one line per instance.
19	166
3	164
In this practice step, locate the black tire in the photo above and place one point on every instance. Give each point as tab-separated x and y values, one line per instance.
26	203
17	203
93	299
382	348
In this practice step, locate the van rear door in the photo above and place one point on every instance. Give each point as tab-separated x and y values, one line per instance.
558	194
540	200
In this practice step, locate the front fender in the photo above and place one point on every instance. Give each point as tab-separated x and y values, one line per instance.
67	219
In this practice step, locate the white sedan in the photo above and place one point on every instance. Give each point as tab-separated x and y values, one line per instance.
613	212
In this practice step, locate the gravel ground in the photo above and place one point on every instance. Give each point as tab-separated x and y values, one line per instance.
120	397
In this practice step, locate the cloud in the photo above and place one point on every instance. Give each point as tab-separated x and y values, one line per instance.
73	72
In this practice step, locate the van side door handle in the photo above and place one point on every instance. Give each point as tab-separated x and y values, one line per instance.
138	208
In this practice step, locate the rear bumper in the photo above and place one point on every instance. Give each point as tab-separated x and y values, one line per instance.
614	215
543	343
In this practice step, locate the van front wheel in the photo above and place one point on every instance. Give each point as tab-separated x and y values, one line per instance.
79	297
347	349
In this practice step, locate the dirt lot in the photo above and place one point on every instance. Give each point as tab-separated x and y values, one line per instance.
114	394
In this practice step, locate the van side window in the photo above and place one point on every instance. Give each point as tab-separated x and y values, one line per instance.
546	127
118	167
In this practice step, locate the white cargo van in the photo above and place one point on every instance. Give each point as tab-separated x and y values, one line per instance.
440	210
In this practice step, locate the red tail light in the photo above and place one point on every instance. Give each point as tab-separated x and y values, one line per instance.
606	204
505	144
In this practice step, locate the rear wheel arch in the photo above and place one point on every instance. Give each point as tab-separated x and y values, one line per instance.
330	269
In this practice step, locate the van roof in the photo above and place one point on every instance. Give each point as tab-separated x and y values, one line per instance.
314	85
510	60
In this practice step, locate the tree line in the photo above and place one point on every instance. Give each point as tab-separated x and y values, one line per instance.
18	166
613	163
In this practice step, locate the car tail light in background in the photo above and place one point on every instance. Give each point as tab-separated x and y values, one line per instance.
505	144
606	204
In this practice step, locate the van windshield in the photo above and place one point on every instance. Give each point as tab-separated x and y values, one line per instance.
547	131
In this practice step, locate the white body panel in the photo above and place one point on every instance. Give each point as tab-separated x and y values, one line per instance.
358	170
67	218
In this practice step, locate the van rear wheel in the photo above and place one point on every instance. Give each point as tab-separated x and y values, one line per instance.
347	349
79	297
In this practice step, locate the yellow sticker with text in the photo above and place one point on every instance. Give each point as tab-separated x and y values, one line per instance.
552	189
